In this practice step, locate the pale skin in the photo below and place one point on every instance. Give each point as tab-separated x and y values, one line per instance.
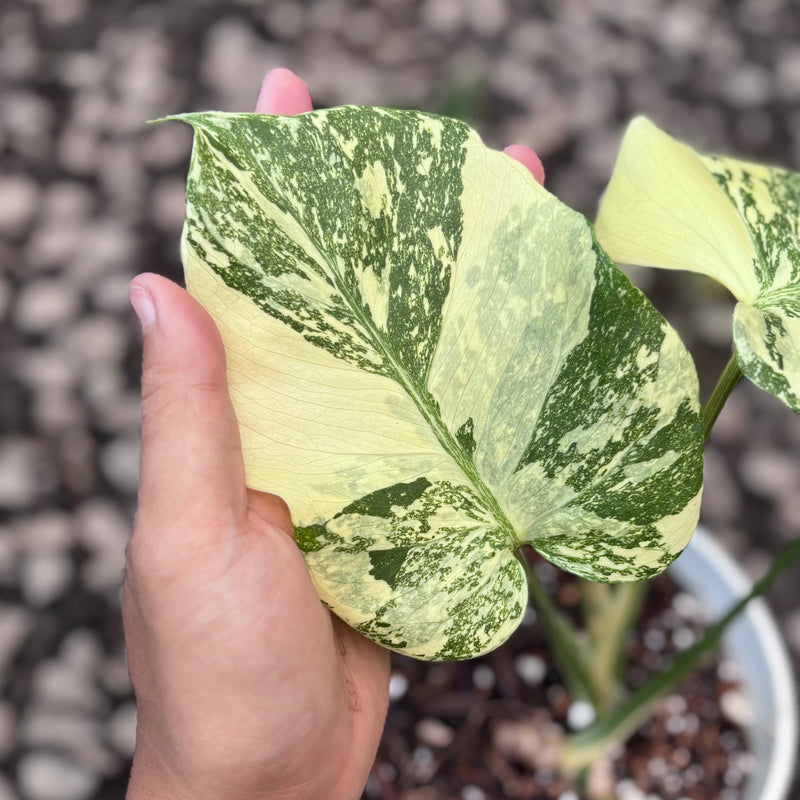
247	687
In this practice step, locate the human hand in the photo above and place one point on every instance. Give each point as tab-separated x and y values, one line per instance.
246	686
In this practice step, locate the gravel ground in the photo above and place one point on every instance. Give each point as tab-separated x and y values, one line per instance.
89	196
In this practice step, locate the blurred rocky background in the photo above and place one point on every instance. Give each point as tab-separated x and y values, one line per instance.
90	195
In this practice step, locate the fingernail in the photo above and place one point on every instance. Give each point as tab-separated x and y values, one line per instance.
142	302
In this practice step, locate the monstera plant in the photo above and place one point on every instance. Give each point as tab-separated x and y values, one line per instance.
436	364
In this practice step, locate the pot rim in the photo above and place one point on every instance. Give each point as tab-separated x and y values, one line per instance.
755	643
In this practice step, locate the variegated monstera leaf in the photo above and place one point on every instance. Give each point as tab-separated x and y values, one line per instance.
433	362
667	206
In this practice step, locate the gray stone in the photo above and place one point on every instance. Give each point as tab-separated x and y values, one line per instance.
90	109
16	623
487	17
104	571
734	420
712	321
364	28
682	29
77	452
77	736
531	668
57	410
68	200
543	129
104	531
768	472
123	181
121	729
232	49
19	55
755	129
165	146
340	76
25	472
77	149
513	78
737	707
6	790
110	293
61	13
45	368
53	243
82	649
398	686
6	292
328	16
100	525
19	199
9	557
98	340
787	73
59	685
106	244
119	460
597	152
44	532
286	20
45	304
168	204
114	675
143	81
121	413
723	49
28	121
590	109
721	496
443	16
45	577
748	86
45	776
82	70
433	732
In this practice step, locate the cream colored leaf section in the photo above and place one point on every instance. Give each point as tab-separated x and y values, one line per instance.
315	429
518	304
663	208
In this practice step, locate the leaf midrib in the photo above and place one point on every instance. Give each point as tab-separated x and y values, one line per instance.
420	397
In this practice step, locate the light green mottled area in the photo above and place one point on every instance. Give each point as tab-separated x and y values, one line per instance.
766	334
434	363
420	546
734	221
768	350
768	202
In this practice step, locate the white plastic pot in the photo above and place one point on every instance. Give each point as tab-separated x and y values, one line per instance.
753	641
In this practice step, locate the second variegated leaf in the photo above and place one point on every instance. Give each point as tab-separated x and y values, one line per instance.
736	222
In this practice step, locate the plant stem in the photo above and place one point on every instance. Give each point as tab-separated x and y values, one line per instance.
567	650
584	747
729	378
609	611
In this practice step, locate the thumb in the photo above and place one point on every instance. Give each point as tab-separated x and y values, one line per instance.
192	476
